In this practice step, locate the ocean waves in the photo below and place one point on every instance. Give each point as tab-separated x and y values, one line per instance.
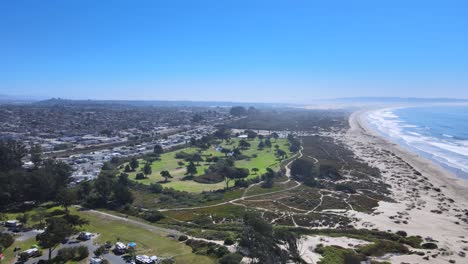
428	133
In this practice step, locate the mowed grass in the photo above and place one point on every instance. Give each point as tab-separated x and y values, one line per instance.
260	159
148	242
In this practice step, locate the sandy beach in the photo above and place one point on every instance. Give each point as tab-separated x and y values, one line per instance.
429	201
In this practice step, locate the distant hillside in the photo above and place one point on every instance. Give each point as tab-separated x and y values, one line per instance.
399	100
13	99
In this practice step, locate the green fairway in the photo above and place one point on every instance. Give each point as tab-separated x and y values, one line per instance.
255	158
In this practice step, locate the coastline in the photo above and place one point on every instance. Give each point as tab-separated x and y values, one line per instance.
429	201
438	174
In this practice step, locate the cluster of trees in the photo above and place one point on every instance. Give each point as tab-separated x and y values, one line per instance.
202	143
294	143
57	230
72	254
224	170
39	183
108	190
304	170
266	244
242	111
6	240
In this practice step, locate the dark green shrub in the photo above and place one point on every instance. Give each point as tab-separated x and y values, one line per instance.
6	240
230	258
383	247
153	216
429	245
228	241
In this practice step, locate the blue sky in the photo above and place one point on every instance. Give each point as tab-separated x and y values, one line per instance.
239	50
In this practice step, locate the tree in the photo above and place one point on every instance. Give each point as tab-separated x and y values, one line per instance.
122	194
128	168
303	170
191	169
23	218
103	188
158	150
255	170
166	174
268	177
238	111
281	153
56	231
196	158
36	154
134	164
225	151
11	154
230	173
251	134
100	251
275	136
66	197
222	133
261	145
123	179
236	152
39	215
147	170
243	144
268	143
156	188
140	176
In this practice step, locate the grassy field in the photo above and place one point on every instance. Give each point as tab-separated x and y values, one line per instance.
148	243
261	159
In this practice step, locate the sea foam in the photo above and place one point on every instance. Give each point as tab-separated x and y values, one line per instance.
423	138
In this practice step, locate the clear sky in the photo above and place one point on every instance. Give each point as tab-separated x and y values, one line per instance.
239	50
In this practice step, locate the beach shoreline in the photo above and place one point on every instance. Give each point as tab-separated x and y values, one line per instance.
429	201
438	174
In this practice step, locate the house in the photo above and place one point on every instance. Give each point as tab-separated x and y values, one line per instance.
120	248
243	136
85	236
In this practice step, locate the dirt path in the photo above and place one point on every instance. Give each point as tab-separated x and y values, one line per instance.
146	226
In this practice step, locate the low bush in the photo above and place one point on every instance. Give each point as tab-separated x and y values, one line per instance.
383	247
71	254
230	258
6	240
153	216
429	245
229	241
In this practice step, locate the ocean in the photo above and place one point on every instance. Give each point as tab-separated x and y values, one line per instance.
439	133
